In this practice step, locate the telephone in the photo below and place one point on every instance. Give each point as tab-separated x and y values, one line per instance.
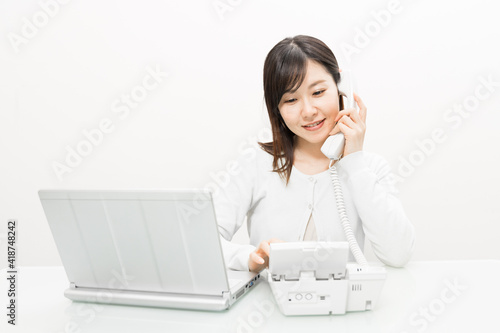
333	149
334	145
301	283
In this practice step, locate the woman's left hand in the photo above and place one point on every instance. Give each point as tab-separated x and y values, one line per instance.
353	125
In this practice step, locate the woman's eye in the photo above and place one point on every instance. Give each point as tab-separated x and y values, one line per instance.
319	92
291	100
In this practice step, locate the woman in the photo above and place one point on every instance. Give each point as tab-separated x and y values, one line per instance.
285	190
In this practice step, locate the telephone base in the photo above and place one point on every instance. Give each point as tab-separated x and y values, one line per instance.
359	290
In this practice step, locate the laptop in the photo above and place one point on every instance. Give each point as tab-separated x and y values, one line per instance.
157	248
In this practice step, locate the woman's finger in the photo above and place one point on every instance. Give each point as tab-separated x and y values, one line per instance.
362	107
352	113
348	121
275	240
256	258
264	247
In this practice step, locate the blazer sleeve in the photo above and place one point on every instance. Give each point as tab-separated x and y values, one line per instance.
384	221
232	201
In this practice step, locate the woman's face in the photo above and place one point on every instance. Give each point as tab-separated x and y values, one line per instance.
310	111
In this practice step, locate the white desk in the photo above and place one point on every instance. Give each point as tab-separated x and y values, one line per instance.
408	295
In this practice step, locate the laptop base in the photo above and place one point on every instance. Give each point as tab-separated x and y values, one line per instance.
149	299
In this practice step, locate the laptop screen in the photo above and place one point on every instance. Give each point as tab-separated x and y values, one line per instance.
163	240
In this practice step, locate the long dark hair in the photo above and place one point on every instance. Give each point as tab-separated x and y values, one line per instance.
284	70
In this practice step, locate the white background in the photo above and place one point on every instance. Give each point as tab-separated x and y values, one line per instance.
411	70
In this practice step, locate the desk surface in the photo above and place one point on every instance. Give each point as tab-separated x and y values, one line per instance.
441	296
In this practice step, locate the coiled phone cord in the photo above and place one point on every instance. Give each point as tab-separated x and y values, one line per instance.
346	225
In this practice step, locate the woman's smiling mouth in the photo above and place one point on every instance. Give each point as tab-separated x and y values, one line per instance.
314	126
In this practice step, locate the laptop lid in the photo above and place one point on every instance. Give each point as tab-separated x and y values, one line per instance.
140	240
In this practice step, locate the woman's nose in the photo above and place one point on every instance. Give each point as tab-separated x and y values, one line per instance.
309	110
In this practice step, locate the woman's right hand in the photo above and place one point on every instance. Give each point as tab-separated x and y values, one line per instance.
259	259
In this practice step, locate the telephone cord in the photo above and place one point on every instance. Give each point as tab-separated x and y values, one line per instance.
346	225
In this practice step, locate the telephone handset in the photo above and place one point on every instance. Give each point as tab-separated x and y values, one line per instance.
333	147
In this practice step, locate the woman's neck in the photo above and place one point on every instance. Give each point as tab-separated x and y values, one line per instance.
308	150
308	158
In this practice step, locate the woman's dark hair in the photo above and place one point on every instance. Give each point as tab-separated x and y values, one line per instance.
284	70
